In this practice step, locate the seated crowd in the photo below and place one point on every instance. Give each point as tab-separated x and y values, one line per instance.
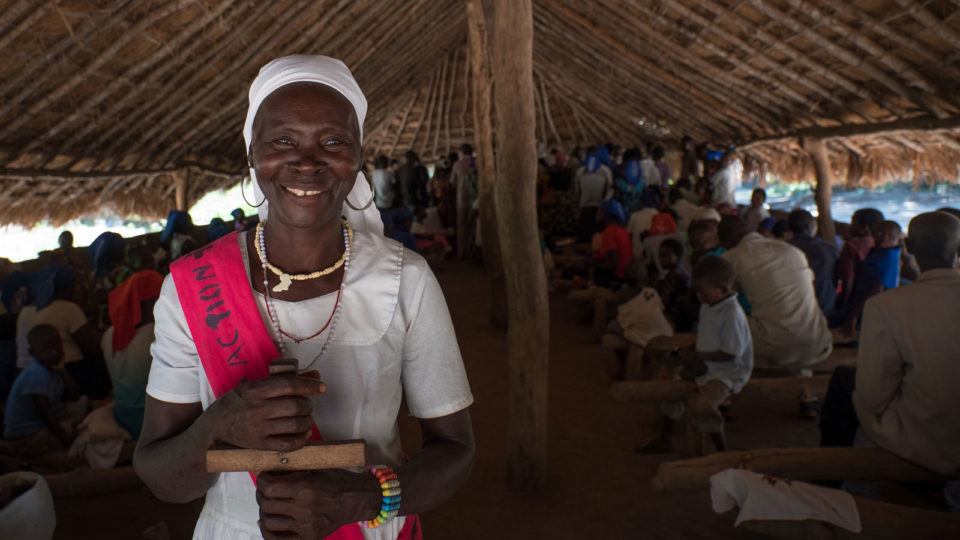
765	293
76	334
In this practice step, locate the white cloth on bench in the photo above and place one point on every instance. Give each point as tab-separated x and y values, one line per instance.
642	318
765	498
100	439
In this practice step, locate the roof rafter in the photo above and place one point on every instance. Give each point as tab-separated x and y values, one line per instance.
170	71
189	31
709	105
840	53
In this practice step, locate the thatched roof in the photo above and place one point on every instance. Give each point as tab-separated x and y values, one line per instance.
104	101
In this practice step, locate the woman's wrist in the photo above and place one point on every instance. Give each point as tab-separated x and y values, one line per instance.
371	497
212	424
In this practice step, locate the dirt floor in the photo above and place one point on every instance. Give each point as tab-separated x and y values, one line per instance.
597	487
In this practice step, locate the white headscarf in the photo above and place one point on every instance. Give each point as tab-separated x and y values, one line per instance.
330	72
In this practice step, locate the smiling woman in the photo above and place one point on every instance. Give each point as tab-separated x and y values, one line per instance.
306	154
318	283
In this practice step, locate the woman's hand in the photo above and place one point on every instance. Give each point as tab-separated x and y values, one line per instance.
268	414
313	504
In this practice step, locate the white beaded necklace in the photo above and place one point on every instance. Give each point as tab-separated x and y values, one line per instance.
287	279
334	317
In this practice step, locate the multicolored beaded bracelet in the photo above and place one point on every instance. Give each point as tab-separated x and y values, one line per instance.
390	487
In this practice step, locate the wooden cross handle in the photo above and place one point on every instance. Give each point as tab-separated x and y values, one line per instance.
282	366
314	456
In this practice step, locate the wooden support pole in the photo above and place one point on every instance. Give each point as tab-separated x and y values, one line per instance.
527	304
479	58
824	188
180	185
866	464
774	388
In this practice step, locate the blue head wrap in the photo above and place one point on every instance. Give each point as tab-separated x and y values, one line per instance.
633	172
14	282
614	209
107	248
767	224
593	162
603	154
217	229
176	222
49	282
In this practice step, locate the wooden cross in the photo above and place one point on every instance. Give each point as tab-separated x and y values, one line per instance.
313	456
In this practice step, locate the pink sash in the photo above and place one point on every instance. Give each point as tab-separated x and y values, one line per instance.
230	336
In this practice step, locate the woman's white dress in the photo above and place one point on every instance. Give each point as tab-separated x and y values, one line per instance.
393	338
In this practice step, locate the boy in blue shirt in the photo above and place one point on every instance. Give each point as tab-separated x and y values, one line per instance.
877	272
36	400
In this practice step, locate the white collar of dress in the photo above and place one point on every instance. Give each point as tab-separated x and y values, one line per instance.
372	290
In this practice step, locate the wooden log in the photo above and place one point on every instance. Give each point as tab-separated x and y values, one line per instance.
779	388
403	123
666	344
614	343
865	464
546	109
824	188
652	391
85	482
634	368
879	521
922	123
527	304
315	456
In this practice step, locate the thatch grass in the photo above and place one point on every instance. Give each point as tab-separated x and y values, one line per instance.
113	87
930	159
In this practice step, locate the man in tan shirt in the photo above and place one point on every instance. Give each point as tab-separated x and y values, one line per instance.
907	392
789	330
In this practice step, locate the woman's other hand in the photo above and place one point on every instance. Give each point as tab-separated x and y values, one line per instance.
313	504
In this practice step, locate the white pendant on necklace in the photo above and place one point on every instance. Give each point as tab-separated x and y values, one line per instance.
284	284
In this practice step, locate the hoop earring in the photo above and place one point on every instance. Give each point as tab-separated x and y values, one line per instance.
373	193
242	194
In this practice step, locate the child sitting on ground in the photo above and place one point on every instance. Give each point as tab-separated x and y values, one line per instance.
879	271
35	406
722	361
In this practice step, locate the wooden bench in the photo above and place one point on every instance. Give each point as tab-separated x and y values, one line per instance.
867	464
778	388
654	391
642	360
880	520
